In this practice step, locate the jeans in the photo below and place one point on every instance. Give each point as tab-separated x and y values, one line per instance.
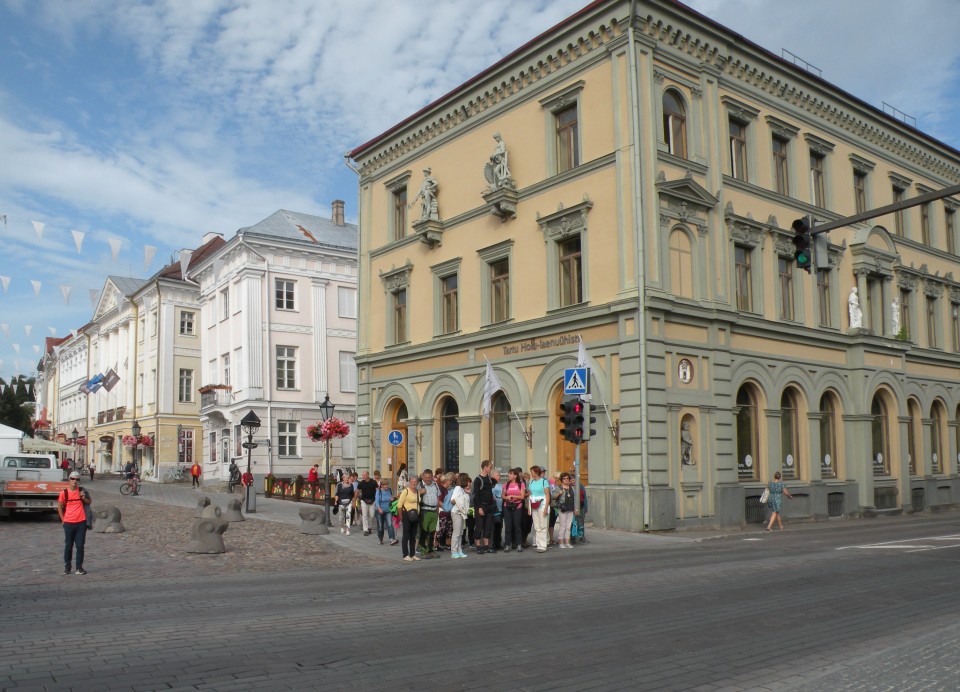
456	539
409	542
346	512
367	514
196	481
74	534
513	526
385	520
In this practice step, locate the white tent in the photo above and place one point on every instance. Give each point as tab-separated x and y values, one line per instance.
41	445
9	439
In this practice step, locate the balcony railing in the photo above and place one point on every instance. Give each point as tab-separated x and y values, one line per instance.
215	395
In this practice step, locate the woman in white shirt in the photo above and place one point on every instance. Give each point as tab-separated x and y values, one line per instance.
458	514
539	506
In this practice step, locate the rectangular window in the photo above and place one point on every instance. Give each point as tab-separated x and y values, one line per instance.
400	213
780	165
905	312
186	322
738	149
400	317
860	192
955	325
284	294
185	447
347	302
226	368
571	281
744	279
785	269
568	138
213	446
817	188
500	290
949	229
348	372
287	438
449	311
823	295
186	386
286	367
925	224
225	303
932	339
898	215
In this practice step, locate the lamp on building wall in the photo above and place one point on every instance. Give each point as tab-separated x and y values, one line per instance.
326	413
136	429
250	424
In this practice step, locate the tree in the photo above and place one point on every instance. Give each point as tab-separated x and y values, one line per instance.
16	404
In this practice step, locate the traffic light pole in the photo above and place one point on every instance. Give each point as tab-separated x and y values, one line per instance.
889	209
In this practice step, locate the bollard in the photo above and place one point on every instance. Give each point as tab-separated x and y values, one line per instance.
207	534
313	521
201	503
233	511
106	519
210	512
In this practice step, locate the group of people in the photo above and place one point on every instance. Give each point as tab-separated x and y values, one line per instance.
438	511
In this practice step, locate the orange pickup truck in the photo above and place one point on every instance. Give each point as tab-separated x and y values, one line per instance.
29	483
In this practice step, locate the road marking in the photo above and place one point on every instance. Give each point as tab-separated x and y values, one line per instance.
908	544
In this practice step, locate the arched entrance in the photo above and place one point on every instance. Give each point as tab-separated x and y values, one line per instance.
398	455
450	426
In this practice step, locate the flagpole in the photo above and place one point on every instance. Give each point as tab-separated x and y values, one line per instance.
501	389
589	358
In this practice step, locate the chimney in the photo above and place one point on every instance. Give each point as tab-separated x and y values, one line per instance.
337	208
207	237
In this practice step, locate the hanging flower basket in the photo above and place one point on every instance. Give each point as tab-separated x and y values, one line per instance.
146	441
129	441
327	430
41	424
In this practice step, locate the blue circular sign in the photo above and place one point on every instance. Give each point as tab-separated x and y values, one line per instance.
395	438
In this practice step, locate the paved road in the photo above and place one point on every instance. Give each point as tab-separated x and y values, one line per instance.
839	607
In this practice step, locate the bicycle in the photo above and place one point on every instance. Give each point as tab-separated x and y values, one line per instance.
174	474
132	485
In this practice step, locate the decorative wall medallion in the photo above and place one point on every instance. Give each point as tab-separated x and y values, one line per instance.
685	371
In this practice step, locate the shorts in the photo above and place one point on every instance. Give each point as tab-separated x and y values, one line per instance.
484	524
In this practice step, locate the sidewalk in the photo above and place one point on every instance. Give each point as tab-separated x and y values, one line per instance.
287	512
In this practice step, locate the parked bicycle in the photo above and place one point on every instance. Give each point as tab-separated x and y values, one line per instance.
176	473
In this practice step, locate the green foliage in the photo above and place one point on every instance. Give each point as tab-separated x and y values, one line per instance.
16	404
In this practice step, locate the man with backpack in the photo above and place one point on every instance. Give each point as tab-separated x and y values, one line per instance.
71	508
484	508
429	513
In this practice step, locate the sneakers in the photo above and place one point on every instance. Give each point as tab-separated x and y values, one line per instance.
520	549
541	550
342	530
408	559
507	549
348	532
381	541
566	546
458	555
66	570
81	570
416	559
394	541
367	533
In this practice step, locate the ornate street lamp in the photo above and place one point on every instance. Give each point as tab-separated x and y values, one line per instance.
326	413
73	436
136	433
250	424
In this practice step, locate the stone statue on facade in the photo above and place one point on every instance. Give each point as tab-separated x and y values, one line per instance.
686	444
429	210
853	305
497	172
895	316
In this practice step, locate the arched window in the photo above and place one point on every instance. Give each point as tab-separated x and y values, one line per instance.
936	436
880	451
829	462
681	263
674	123
450	426
914	462
747	439
789	436
500	431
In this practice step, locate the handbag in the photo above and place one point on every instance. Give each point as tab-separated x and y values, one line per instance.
88	513
413	516
765	496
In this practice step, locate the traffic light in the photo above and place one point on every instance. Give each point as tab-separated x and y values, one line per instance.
579	409
801	239
590	419
571	419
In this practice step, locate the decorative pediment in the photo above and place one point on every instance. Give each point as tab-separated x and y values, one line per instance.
396	278
565	222
684	198
744	230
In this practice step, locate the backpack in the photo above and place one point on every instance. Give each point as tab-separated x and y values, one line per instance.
448	501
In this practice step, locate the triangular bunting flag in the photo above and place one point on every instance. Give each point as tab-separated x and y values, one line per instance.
38	229
6	329
78	239
16	347
65	290
73	333
27	328
115	247
5	280
185	256
93	297
52	330
148	253
36	287
36	349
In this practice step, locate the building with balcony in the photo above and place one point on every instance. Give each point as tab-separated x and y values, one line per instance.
630	176
279	310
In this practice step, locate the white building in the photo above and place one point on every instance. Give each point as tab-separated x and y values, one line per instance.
279	309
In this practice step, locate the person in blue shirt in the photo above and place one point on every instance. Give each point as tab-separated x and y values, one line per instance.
498	515
381	504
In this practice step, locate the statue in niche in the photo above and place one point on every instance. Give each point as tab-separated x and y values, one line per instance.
428	198
895	316
497	172
853	305
686	444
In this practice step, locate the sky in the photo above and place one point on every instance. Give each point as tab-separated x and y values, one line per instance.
128	125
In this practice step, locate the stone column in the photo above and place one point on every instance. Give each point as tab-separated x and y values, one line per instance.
861	275
887	298
254	333
320	356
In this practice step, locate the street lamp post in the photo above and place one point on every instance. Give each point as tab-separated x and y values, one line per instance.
326	412
250	424
136	448
73	436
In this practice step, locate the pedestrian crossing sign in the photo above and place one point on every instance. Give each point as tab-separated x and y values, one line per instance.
576	380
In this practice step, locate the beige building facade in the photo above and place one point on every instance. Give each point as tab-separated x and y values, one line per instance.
632	181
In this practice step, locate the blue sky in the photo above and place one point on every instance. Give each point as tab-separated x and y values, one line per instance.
152	123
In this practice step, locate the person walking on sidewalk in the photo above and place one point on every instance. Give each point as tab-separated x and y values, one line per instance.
429	513
195	472
460	507
367	487
381	507
70	507
408	505
345	494
234	479
775	501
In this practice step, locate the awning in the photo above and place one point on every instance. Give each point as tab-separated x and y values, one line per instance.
38	445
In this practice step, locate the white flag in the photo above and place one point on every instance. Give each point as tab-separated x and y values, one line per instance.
491	385
65	290
53	331
93	297
582	361
185	256
36	287
38	229
5	280
36	349
115	247
27	328
78	239
148	252
6	329
16	347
